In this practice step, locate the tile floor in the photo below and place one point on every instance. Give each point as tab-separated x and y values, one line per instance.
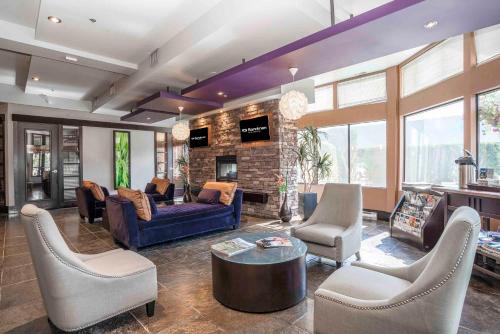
185	303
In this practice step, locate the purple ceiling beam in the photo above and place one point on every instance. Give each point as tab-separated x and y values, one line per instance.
168	102
148	116
390	28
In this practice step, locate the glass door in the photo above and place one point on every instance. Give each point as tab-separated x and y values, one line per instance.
70	175
37	165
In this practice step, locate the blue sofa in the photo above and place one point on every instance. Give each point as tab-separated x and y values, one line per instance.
171	222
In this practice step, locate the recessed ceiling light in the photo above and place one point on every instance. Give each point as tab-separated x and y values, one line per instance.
225	95
92	20
220	93
148	118
430	24
54	19
71	58
35	78
213	72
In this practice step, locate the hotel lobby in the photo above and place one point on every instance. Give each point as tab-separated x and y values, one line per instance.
225	166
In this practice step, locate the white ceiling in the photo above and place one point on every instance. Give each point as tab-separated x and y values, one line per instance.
196	39
66	80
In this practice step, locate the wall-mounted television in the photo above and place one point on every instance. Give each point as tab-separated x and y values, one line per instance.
254	129
198	137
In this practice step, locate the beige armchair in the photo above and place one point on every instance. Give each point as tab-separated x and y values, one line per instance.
81	290
425	297
334	229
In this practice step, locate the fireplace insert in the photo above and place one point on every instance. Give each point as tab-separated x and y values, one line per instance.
226	168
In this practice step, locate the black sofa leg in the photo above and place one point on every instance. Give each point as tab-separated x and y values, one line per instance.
338	264
150	309
234	227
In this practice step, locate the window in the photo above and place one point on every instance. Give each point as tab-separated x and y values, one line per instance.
487	43
365	161
434	138
439	63
334	140
368	89
489	131
323	99
368	154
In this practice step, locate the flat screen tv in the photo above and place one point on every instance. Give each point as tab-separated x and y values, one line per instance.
198	138
254	129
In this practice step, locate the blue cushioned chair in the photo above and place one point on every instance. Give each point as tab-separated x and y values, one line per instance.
88	206
159	198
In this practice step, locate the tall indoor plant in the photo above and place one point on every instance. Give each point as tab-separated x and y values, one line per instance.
313	166
282	184
183	164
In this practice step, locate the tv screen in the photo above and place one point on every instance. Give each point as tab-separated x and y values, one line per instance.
198	138
254	129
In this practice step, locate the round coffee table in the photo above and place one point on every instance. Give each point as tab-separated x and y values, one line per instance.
261	280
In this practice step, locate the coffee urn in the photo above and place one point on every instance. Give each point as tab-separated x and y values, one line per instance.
466	170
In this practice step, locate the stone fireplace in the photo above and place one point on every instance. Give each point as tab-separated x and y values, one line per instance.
253	166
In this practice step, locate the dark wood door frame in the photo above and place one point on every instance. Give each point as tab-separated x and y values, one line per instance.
20	164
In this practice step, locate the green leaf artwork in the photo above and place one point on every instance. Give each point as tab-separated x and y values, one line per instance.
122	159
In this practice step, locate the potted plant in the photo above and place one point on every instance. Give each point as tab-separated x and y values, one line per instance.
313	166
183	164
282	184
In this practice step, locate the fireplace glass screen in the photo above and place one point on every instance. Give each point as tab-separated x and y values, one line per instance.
227	168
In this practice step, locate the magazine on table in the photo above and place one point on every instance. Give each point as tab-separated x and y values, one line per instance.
271	242
232	247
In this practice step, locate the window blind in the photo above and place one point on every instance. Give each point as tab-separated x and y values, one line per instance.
363	90
437	64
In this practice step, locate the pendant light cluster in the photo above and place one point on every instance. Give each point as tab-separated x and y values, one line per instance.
293	105
180	130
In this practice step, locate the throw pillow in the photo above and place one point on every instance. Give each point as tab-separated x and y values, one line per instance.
161	184
209	196
152	203
150	188
139	200
95	189
227	190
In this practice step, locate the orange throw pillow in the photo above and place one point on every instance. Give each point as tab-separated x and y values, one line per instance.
95	189
140	201
161	184
227	190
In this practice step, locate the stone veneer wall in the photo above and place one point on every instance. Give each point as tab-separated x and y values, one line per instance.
258	163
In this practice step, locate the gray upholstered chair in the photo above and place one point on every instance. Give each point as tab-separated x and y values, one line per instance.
425	297
334	229
81	290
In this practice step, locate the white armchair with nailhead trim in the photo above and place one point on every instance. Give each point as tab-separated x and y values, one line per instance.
425	297
80	290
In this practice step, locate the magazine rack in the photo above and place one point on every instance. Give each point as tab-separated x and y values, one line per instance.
418	217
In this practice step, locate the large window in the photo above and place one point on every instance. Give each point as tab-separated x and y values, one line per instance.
358	152
368	154
487	43
335	141
437	64
368	89
489	131
323	99
434	138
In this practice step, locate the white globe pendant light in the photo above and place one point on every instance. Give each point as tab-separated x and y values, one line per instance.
293	104
180	130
